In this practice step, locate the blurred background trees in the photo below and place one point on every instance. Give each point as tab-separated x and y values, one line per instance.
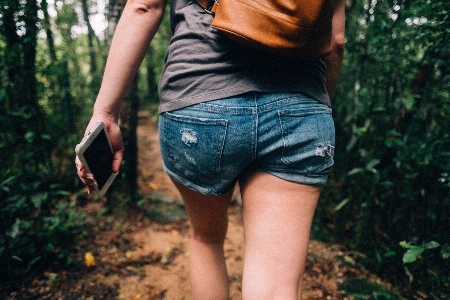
391	183
389	193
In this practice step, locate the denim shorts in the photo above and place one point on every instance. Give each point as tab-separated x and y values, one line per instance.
209	146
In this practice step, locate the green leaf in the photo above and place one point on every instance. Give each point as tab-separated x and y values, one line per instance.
389	143
405	244
38	199
15	230
16	258
371	165
355	171
340	205
430	245
8	180
393	133
29	136
62	193
412	254
352	142
46	137
445	251
409	102
389	254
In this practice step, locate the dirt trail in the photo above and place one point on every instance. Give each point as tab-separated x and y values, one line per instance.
170	279
152	181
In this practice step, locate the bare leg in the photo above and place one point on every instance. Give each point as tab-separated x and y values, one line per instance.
208	217
277	223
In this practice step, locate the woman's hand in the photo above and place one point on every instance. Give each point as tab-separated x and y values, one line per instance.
116	142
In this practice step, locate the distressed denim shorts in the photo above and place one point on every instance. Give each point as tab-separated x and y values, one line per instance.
208	146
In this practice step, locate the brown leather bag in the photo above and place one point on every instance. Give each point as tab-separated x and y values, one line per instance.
293	28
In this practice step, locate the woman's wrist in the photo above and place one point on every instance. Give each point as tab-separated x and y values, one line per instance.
104	112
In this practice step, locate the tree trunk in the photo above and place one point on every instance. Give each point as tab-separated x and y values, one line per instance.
13	57
124	192
29	82
129	120
91	37
152	96
29	52
48	31
115	8
67	106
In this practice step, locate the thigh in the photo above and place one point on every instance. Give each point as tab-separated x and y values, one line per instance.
208	214
277	222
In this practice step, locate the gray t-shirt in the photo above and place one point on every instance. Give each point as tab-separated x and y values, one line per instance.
202	65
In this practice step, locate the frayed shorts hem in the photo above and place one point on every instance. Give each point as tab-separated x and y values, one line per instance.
195	187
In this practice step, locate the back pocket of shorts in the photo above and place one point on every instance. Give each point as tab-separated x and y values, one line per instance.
193	146
308	138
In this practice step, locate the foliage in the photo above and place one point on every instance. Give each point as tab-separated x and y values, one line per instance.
363	289
39	222
39	226
392	114
427	264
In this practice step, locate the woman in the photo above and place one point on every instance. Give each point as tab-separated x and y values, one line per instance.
232	114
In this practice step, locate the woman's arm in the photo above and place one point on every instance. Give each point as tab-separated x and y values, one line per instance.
334	60
137	26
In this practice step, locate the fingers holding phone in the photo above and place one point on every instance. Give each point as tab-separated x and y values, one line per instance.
115	138
97	162
86	177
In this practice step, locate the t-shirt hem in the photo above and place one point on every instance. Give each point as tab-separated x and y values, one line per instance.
171	105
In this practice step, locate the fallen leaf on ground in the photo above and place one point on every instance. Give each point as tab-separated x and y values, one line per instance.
153	186
137	297
89	259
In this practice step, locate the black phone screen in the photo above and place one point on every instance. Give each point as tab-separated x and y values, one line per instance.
99	159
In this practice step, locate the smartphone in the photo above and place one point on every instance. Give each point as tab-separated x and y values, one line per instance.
96	154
